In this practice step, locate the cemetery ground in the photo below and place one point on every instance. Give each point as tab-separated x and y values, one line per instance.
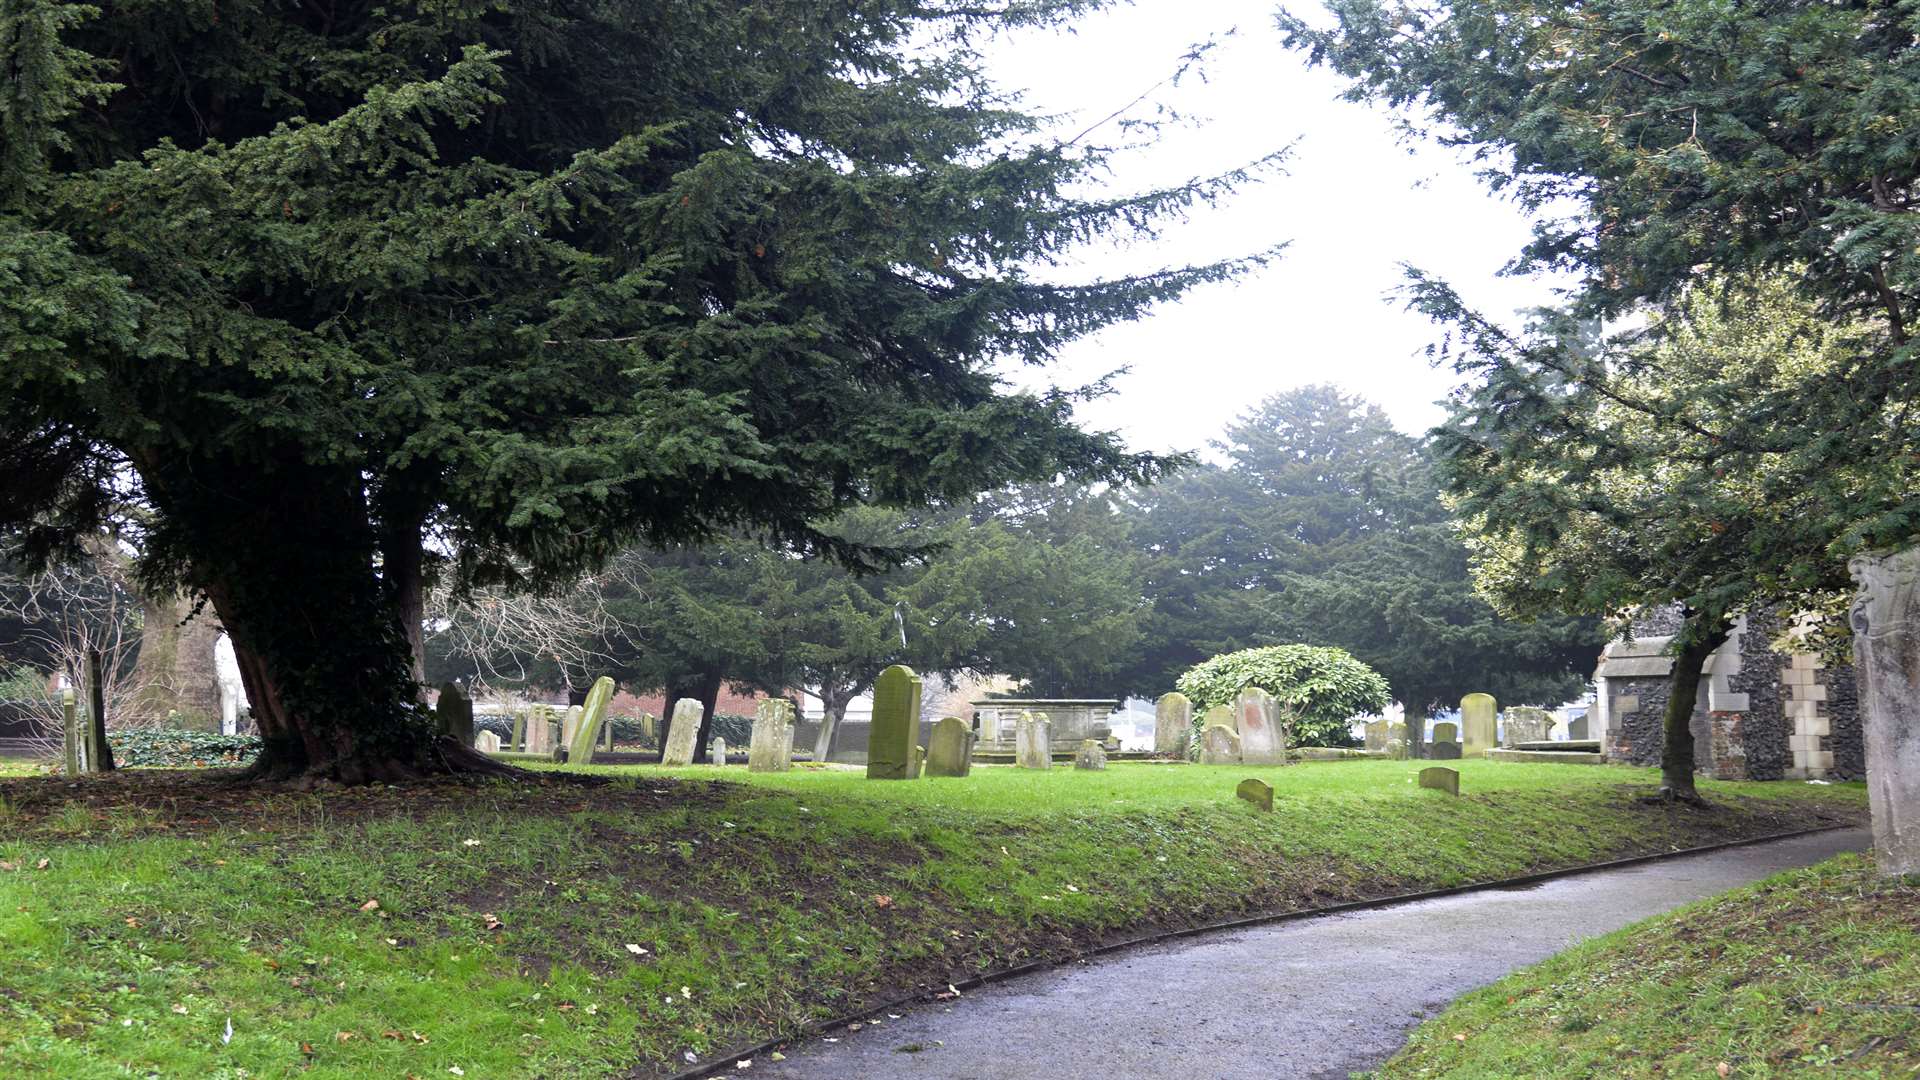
634	921
1815	970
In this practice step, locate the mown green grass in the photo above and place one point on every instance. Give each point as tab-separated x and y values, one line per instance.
499	945
1815	972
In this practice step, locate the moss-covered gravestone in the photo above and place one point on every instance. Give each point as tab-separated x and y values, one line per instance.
896	720
1257	792
950	748
518	742
1092	755
1479	715
1172	724
683	733
454	712
1219	745
1033	741
1525	724
1440	779
593	717
540	730
1446	742
487	742
770	746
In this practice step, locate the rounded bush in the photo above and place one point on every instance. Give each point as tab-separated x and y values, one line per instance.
1321	687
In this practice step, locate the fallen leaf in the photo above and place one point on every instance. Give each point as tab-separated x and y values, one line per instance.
1459	1038
181	1009
8	866
777	1056
135	923
342	1036
883	901
456	1070
417	1037
492	921
470	842
371	905
743	1063
394	1035
43	864
635	949
306	1048
1723	1069
393	941
686	992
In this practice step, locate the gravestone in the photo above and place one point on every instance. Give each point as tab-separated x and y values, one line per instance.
487	742
950	748
1446	742
1526	724
1376	735
1033	741
454	713
717	751
1577	729
1219	745
1172	724
1440	779
649	729
1479	714
918	764
570	724
540	730
1092	755
771	746
1257	792
1219	716
1397	741
896	719
1263	736
518	743
593	718
683	733
1886	655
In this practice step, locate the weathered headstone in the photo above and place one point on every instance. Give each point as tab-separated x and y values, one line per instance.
540	730
1219	745
487	742
1440	779
1525	723
1033	741
1886	654
650	728
717	751
1577	729
570	724
896	721
1172	724
1445	745
1219	716
1263	735
683	733
593	718
918	762
1257	792
1092	755
950	748
1397	741
454	713
1479	715
1376	735
771	746
518	743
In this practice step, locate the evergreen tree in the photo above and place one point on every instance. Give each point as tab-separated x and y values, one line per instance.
340	289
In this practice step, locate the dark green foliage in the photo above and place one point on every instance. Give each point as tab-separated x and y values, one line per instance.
311	282
182	749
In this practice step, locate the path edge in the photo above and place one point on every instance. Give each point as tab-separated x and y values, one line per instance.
724	1063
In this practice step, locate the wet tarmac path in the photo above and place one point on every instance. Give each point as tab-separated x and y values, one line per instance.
1313	998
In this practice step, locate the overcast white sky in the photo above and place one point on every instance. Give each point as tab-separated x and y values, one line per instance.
1355	204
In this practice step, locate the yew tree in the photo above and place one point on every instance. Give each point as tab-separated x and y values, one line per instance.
343	294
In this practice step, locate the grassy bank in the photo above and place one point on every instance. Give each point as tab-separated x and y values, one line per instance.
1814	972
636	920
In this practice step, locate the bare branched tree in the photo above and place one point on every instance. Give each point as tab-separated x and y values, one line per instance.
66	613
503	634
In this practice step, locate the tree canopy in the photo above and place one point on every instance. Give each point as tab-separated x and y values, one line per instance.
349	294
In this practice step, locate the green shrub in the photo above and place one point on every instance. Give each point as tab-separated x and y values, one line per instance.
182	749
1321	687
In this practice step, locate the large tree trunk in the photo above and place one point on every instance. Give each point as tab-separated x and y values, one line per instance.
288	561
175	671
403	569
833	710
1416	716
1702	634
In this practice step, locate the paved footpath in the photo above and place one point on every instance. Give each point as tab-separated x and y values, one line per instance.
1311	998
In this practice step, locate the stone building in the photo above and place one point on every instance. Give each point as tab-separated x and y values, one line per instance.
1761	715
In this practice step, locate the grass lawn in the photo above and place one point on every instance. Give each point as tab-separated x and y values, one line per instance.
1813	972
635	920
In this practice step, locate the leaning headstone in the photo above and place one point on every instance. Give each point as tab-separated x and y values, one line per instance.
896	720
593	718
1446	742
1479	715
487	742
771	746
1219	745
950	748
454	713
717	751
1263	736
1257	792
1172	724
518	743
1440	779
683	733
1092	755
1886	654
1033	741
1525	723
